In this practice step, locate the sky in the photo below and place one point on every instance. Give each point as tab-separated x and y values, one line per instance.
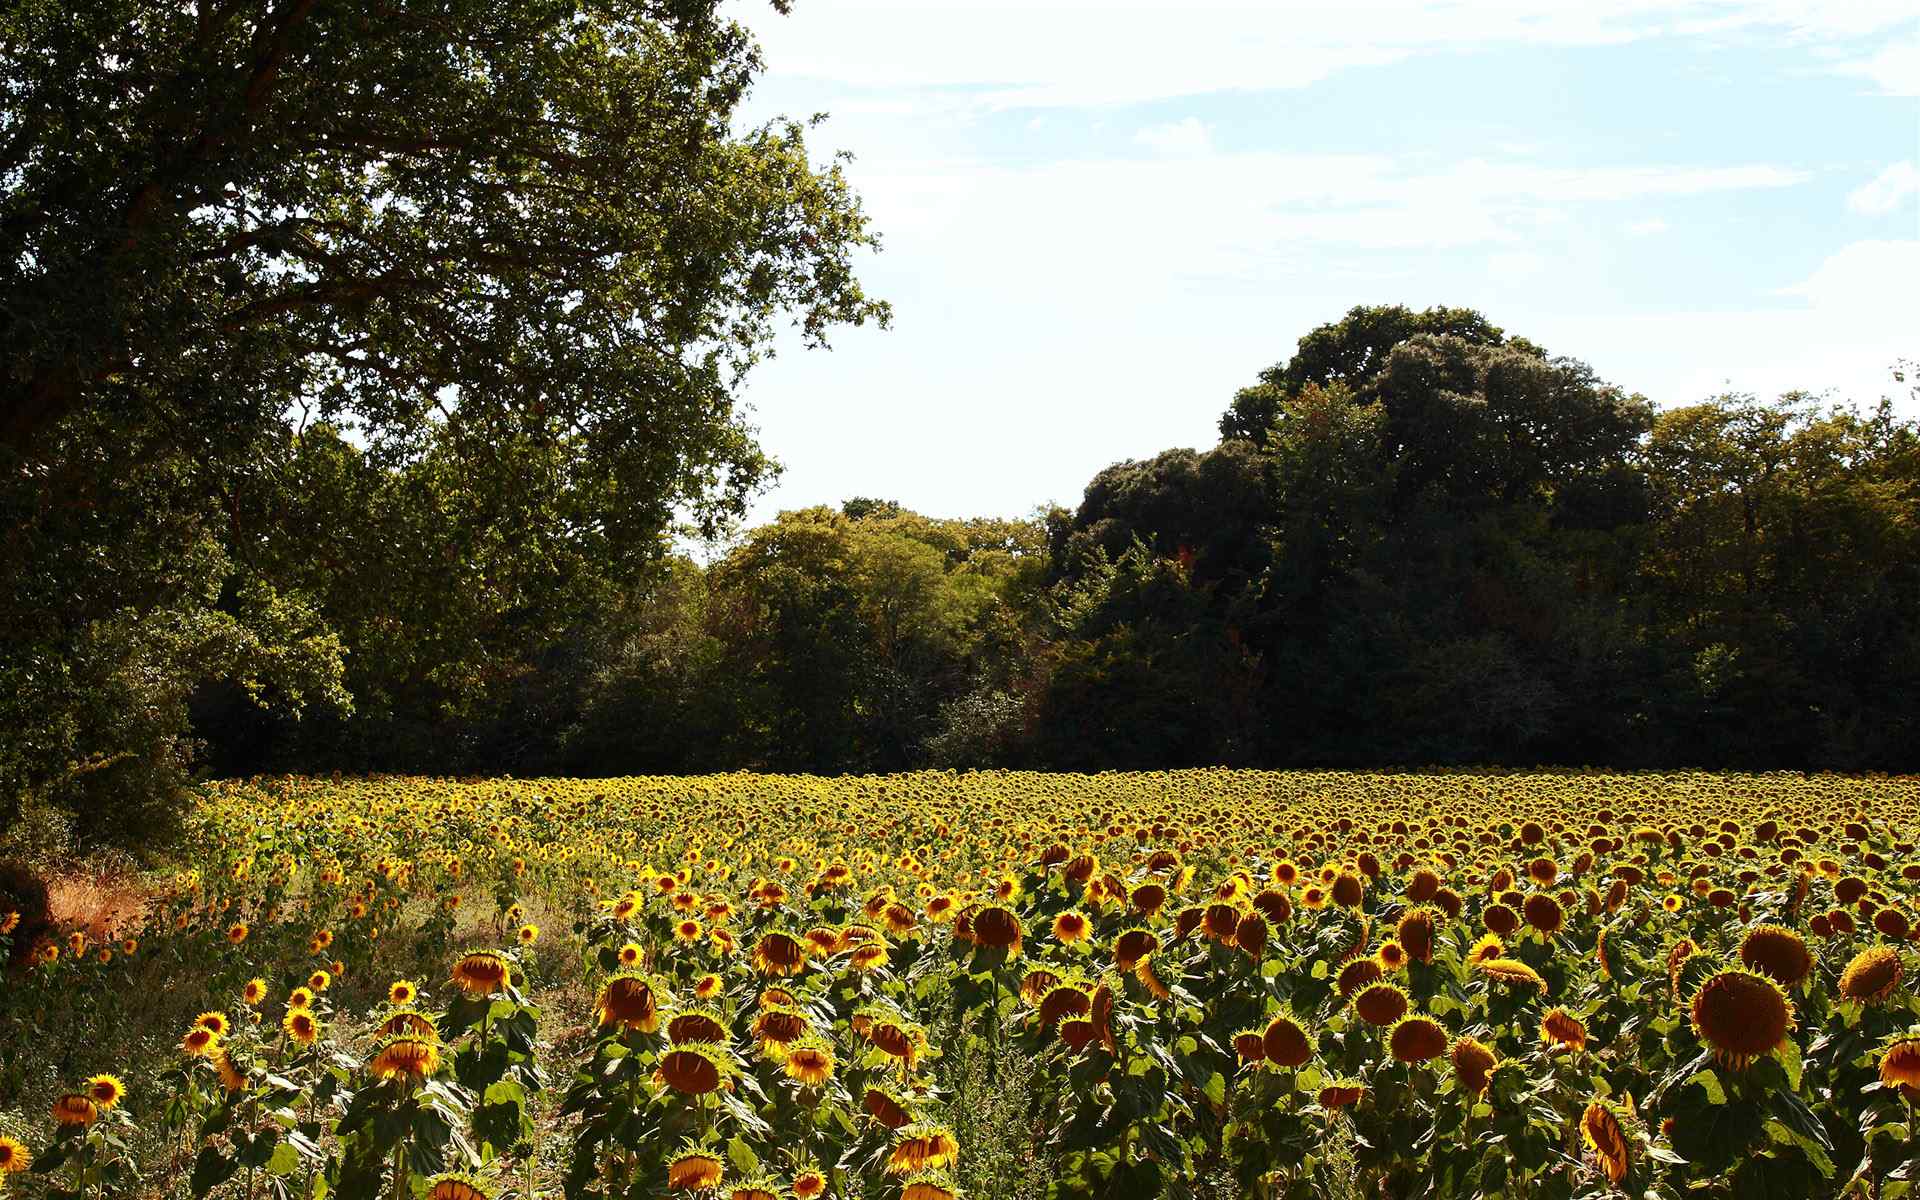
1099	219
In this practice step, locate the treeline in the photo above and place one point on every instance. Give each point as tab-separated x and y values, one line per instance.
1419	541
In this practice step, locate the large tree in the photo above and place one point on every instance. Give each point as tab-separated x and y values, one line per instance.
518	253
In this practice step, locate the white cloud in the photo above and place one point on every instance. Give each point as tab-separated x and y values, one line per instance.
1895	67
1235	215
1866	277
1182	138
1047	53
1646	228
1886	191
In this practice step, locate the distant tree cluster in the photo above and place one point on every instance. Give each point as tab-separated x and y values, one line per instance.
1419	541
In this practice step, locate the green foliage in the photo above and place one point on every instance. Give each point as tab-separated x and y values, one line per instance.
354	351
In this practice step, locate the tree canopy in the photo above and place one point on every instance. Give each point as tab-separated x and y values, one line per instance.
418	326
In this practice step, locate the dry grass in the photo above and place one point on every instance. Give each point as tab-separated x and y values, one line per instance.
106	906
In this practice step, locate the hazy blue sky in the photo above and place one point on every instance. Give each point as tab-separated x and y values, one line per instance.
1100	219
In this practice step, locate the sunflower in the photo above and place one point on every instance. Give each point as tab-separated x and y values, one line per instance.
810	1061
237	932
527	934
629	1001
254	992
1742	1014
809	1184
302	1026
456	1187
1488	947
779	1024
402	992
1392	956
1381	1004
779	954
1777	951
694	1069
1511	970
694	1170
200	1042
1250	935
928	1185
1247	1044
1356	976
1872	975
1341	1094
231	1078
1544	913
409	1057
1561	1029
760	1187
1415	933
1071	927
887	1106
687	930
216	1021
1417	1038
300	997
1473	1064
697	1025
918	1148
13	1155
997	927
75	1108
106	1090
1132	946
1285	1043
319	981
1601	1130
707	986
482	973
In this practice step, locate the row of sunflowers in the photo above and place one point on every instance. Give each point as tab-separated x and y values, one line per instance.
1210	982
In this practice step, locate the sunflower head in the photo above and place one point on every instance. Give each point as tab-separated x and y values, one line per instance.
408	1057
75	1109
630	1001
694	1069
1872	975
254	992
697	1025
1285	1043
1560	1029
921	1147
1602	1131
1381	1003
928	1185
1416	1038
1777	951
402	992
1742	1015
301	1026
482	973
1511	970
1900	1061
106	1090
200	1042
1473	1064
810	1060
456	1187
693	1170
13	1156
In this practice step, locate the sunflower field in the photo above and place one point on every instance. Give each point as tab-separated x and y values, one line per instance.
1201	983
